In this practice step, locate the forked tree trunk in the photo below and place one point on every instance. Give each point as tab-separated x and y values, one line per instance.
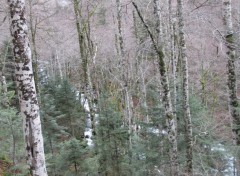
230	51
26	89
186	108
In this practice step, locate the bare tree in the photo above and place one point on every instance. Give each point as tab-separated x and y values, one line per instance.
231	55
166	99
26	89
187	115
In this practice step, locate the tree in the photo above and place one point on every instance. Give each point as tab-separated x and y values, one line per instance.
186	107
29	107
231	55
166	99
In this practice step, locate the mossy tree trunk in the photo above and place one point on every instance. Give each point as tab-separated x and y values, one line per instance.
232	85
166	99
86	51
26	89
173	54
186	107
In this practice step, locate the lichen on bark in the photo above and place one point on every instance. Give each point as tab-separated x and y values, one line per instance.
29	107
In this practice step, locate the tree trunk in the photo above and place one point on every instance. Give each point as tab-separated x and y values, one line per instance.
157	13
33	31
86	50
119	22
173	55
166	99
26	89
230	51
187	115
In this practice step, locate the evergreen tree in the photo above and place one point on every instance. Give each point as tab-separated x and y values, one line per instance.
112	139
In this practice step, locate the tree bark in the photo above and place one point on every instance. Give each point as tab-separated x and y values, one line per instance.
157	13
26	89
119	22
232	85
187	114
173	55
86	51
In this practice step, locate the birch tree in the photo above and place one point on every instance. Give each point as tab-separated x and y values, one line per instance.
29	107
231	55
186	108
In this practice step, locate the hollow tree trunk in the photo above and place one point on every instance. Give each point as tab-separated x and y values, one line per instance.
26	89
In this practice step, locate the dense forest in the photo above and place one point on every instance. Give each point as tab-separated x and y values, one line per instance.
119	87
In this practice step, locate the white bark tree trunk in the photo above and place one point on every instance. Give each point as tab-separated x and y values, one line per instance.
26	89
187	115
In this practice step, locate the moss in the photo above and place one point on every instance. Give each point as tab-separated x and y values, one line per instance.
235	103
161	62
230	38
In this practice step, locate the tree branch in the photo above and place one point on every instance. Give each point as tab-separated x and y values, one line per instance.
147	27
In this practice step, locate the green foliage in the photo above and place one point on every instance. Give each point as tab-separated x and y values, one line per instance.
62	108
208	156
11	137
112	139
63	128
72	153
